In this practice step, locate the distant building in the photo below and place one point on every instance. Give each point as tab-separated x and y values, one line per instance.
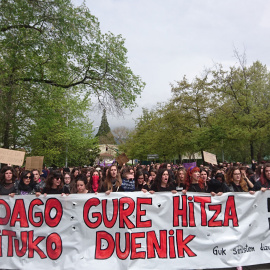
108	154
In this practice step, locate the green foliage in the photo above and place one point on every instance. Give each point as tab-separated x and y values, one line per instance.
224	112
245	92
174	128
53	54
61	131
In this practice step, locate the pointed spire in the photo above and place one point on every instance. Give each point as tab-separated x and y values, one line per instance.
104	131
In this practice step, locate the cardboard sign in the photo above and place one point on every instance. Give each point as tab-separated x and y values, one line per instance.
34	163
11	157
210	158
121	159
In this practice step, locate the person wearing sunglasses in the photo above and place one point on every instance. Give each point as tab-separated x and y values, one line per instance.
55	184
27	185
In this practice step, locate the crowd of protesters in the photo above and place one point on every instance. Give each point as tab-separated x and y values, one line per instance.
153	178
226	177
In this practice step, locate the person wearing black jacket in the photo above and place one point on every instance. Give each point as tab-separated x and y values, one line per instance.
55	184
27	185
235	180
180	179
264	180
217	185
140	183
193	181
162	182
170	171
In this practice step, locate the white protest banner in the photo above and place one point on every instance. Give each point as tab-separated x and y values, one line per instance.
134	230
12	157
210	158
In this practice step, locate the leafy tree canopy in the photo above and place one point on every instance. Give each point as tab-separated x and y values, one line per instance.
53	53
225	112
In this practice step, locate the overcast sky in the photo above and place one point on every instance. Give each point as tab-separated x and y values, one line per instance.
169	39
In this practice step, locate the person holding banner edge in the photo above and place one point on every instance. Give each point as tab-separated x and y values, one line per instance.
194	183
55	184
180	179
27	186
82	184
140	184
162	182
264	181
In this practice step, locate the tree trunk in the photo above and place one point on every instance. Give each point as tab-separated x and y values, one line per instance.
180	158
6	135
8	107
260	153
203	162
251	150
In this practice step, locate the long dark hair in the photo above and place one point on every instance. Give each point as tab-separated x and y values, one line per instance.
2	175
263	178
107	184
82	177
22	185
91	177
73	171
137	175
52	175
159	178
